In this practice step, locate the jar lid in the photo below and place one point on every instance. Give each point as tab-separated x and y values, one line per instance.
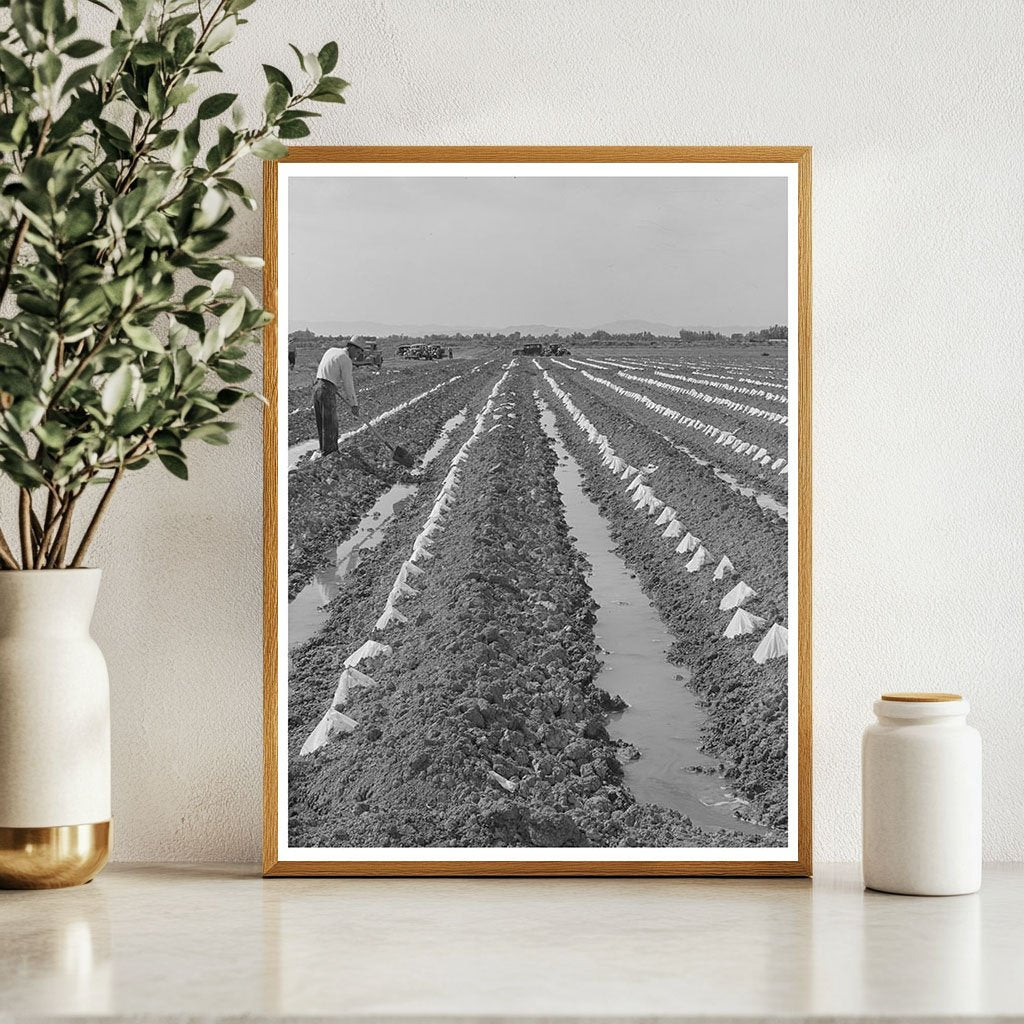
921	706
921	698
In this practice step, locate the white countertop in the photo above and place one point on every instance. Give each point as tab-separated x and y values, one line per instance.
216	941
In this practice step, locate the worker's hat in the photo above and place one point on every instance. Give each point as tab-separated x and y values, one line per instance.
357	341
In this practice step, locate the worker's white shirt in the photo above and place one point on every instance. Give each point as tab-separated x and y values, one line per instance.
336	367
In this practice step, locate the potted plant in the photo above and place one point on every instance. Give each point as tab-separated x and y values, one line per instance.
122	340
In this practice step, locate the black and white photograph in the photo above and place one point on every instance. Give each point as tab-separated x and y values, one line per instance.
537	473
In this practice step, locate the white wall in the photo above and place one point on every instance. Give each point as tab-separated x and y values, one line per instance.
914	113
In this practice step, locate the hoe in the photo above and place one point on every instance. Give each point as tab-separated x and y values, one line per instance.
398	453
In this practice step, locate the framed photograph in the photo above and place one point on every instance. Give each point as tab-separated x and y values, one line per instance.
538	511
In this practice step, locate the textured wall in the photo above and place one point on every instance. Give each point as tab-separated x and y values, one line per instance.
914	115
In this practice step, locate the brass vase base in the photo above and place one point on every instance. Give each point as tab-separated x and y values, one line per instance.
52	857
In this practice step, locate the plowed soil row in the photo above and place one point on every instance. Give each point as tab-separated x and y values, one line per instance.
741	467
746	703
723	377
484	727
760	438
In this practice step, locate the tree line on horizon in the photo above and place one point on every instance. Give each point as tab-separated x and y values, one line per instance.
777	332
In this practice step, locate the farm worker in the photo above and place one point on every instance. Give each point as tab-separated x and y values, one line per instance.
333	374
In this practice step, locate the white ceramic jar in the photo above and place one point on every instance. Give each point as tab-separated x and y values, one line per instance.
921	777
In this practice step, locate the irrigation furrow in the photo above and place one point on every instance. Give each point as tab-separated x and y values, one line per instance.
746	699
331	495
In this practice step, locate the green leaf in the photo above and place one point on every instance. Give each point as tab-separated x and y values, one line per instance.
162	140
222	281
181	94
222	34
116	390
216	104
211	433
227	397
232	373
23	472
149	53
133	12
328	57
48	68
293	130
25	414
53	435
269	149
184	44
109	65
196	296
310	64
324	96
175	464
82	48
16	70
25	17
156	100
78	78
232	319
274	75
144	338
129	421
276	99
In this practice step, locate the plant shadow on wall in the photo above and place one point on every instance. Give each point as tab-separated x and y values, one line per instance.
123	334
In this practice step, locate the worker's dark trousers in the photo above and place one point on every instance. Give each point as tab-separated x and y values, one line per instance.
325	409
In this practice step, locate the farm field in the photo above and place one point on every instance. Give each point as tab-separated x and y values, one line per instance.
458	685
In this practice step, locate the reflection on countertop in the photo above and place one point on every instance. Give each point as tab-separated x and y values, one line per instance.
217	941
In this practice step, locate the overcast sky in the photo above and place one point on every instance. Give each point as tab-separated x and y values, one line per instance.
565	252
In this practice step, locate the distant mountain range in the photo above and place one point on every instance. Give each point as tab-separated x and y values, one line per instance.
374	328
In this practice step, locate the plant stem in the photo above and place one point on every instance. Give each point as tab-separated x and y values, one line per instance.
50	526
22	228
94	523
60	544
6	554
12	255
25	523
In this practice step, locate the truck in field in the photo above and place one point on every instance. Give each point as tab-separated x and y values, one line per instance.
371	355
421	352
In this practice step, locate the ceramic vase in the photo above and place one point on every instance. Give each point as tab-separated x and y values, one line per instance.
54	731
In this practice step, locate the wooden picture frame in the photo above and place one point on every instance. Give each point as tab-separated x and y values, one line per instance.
799	860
